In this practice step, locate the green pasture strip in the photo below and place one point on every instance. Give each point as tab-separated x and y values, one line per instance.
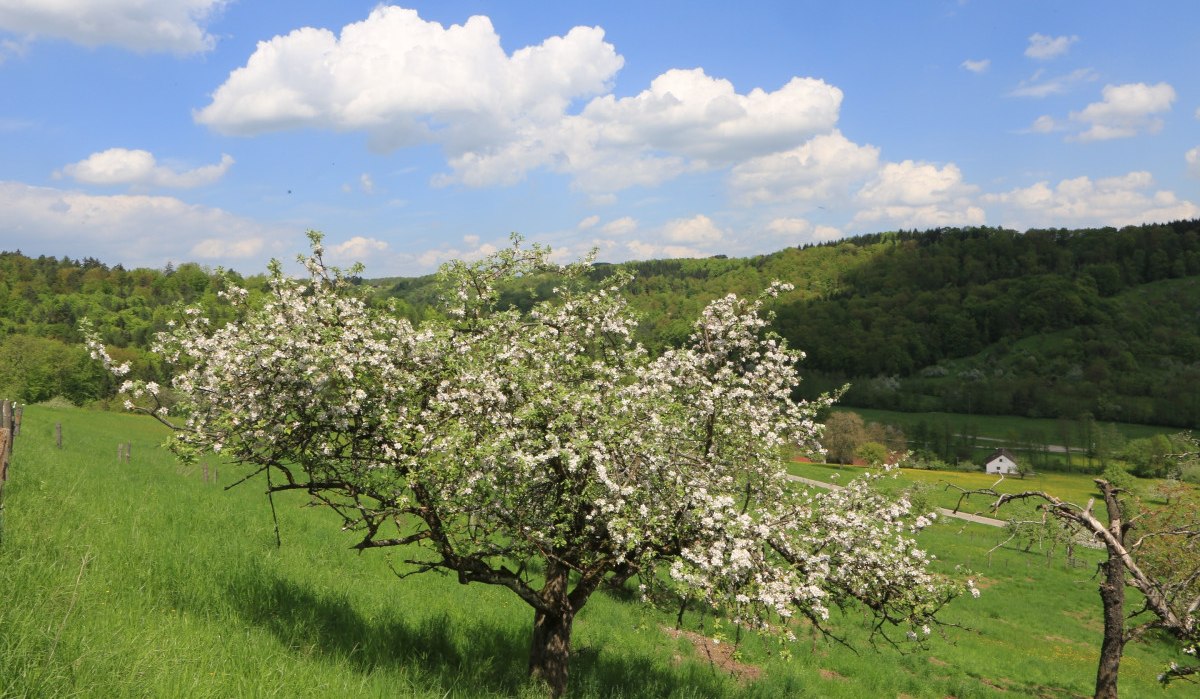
141	579
944	488
1003	427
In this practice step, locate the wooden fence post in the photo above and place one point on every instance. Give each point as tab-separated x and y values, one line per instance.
58	434
18	413
5	451
6	446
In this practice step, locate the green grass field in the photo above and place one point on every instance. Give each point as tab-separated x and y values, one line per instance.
1000	426
142	580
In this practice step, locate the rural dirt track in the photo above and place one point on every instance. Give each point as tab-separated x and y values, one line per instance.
978	519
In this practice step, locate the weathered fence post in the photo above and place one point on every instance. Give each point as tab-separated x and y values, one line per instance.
58	434
18	413
6	446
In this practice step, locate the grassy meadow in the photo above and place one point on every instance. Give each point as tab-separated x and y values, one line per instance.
1010	431
144	580
1002	426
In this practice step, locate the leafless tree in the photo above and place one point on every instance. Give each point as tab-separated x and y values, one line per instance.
1155	551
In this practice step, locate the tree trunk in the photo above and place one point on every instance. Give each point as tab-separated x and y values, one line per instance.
550	649
1112	594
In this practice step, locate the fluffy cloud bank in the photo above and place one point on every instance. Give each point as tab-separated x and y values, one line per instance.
917	195
138	230
174	26
407	81
1082	201
121	166
1125	111
817	172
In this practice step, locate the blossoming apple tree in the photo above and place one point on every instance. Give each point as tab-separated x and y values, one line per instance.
545	450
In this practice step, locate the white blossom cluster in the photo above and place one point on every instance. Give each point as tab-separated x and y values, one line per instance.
493	437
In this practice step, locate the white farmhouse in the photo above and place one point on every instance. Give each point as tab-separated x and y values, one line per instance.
1001	461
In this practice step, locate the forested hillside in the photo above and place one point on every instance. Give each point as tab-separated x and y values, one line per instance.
43	300
1047	323
1044	324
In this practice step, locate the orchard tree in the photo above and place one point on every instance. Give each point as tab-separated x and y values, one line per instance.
545	451
1155	551
842	434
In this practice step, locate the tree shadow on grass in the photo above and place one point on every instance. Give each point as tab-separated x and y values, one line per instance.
482	659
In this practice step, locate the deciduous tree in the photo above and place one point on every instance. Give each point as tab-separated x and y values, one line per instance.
1155	551
544	450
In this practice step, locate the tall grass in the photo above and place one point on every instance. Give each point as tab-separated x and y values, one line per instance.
141	579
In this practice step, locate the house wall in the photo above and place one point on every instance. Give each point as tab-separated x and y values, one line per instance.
1001	464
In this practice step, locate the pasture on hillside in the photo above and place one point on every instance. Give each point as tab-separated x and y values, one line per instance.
143	579
1019	434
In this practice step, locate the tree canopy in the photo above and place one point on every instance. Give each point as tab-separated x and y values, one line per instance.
539	447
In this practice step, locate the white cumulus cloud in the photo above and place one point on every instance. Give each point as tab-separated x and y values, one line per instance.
1192	158
1043	124
686	121
134	230
800	230
406	81
818	171
702	117
914	184
357	248
174	26
122	166
977	67
620	226
1082	201
1043	47
910	194
698	229
641	250
1125	111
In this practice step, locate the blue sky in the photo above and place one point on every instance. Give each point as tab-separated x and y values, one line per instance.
141	132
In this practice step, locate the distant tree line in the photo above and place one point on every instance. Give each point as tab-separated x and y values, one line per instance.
1047	323
43	300
1043	324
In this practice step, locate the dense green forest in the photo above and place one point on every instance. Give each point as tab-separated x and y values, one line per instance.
43	300
1103	323
1044	324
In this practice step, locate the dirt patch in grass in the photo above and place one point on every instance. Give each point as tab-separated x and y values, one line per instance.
938	661
830	674
993	684
720	655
